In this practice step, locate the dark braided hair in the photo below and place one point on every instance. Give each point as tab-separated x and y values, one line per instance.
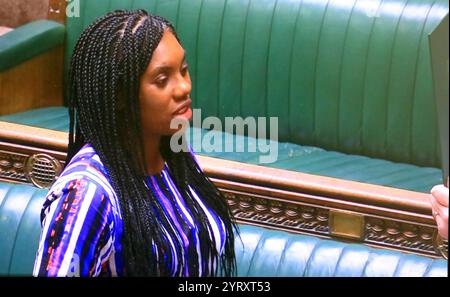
108	61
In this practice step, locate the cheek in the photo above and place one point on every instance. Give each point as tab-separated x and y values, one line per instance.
155	111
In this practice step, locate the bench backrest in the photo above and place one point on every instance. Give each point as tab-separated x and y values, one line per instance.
352	76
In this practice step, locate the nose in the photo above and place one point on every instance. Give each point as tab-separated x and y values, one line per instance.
183	88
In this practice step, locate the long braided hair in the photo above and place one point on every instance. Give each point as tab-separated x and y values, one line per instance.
106	66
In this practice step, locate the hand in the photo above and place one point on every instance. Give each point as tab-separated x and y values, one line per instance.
439	206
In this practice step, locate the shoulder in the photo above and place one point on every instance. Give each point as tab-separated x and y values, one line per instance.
83	181
86	166
86	162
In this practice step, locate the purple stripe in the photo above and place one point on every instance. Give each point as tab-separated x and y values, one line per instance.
168	207
179	201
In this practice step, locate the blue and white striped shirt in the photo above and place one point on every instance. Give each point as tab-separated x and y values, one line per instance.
82	224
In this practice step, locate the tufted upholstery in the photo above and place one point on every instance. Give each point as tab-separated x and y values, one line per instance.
350	81
265	252
259	251
351	76
20	207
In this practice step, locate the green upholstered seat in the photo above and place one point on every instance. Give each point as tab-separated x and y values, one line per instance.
259	251
307	159
20	208
265	252
55	118
351	76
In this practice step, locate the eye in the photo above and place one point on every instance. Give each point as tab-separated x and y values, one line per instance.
161	81
184	69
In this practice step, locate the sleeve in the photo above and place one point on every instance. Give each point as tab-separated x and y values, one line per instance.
77	231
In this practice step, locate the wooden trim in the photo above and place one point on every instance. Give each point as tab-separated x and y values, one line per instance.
275	198
33	137
295	211
346	190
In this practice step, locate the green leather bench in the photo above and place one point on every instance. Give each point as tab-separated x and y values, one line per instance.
259	251
350	81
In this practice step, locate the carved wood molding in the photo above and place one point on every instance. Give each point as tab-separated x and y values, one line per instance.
274	213
275	198
12	166
24	164
395	234
31	155
307	215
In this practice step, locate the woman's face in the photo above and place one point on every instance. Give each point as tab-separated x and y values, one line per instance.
165	88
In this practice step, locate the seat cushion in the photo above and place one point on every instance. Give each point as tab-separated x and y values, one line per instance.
265	252
54	117
259	251
306	159
20	207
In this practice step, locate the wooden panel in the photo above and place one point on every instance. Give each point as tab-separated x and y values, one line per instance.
35	83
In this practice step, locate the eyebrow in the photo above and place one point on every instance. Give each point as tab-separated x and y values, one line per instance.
159	69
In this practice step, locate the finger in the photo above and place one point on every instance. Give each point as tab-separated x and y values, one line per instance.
440	193
444	212
442	226
436	209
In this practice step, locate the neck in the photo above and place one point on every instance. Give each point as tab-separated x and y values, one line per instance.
155	162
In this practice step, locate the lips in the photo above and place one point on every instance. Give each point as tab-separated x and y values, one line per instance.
183	107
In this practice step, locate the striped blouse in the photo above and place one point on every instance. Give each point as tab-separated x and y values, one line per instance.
82	224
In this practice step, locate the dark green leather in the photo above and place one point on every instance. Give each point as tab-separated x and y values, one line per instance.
28	41
20	207
341	75
291	156
259	251
265	252
315	160
347	80
55	118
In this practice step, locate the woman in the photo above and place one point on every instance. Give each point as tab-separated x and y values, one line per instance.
126	204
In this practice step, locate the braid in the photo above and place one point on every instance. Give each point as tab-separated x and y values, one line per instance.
108	61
